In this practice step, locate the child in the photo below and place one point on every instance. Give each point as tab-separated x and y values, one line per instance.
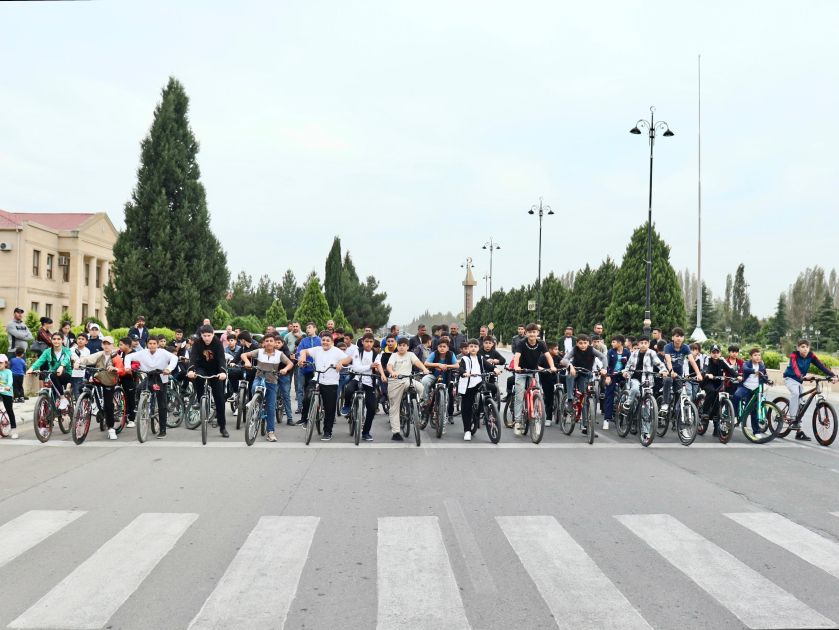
733	361
401	363
616	359
639	368
18	365
799	365
7	391
716	367
753	371
548	380
441	362
469	383
581	356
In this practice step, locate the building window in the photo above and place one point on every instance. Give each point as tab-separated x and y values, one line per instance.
36	306
65	309
48	310
96	313
64	263
36	262
87	274
49	266
84	313
98	276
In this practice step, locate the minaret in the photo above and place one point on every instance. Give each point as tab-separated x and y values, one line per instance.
468	286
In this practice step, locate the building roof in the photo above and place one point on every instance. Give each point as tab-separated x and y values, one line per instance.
53	220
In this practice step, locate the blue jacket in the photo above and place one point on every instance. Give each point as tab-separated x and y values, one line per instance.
142	336
306	343
612	360
799	366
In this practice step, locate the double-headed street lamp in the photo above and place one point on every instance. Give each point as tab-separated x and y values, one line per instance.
541	211
491	245
650	126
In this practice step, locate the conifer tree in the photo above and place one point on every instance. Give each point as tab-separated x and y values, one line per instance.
276	315
333	276
313	306
341	320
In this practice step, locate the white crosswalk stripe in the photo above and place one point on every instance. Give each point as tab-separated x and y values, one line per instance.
732	583
27	530
416	584
258	587
577	592
804	543
122	563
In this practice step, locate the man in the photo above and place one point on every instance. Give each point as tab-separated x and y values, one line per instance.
526	357
153	357
19	334
324	356
111	362
127	379
228	332
483	332
207	359
456	338
310	341
140	330
518	337
655	337
94	342
330	328
364	363
568	341
416	340
292	338
597	330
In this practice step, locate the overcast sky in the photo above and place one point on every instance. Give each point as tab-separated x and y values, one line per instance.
417	131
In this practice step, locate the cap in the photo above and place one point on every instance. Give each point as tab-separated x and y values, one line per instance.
715	348
135	336
107	339
18	309
94	326
4	358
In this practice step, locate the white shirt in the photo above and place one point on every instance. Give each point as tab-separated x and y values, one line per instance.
363	362
79	353
160	360
324	359
567	344
473	366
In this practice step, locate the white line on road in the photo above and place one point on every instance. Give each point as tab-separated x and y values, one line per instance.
417	588
577	592
258	587
476	565
27	530
795	538
95	590
733	584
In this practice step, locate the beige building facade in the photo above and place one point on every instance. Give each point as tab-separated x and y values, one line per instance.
50	263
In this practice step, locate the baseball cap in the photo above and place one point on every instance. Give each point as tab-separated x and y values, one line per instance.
94	326
135	336
715	348
107	339
18	309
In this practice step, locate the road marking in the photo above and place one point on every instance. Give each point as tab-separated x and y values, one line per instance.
258	587
795	538
577	592
416	584
474	560
836	470
733	584
95	590
27	530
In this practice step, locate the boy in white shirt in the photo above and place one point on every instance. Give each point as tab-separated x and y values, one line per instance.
401	363
326	356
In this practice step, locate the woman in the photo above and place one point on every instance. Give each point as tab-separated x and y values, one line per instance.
67	335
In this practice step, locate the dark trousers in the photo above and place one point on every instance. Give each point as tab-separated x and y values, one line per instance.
108	399
129	391
217	388
466	402
609	402
369	401
329	395
17	385
307	394
61	382
548	383
8	403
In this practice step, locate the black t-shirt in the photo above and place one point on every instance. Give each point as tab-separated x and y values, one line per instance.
530	354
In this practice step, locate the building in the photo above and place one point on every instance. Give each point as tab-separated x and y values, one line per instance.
50	263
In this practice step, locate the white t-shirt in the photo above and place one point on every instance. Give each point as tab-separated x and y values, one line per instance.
79	353
324	359
363	362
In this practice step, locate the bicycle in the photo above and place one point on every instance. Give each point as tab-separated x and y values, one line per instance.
486	408
255	410
409	407
355	418
92	396
769	418
206	407
5	423
824	415
51	405
582	409
316	416
682	416
724	410
147	416
642	412
534	406
436	411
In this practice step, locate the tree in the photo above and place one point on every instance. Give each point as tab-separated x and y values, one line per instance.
33	323
289	292
66	318
341	320
276	315
625	314
333	275
263	296
709	313
804	297
313	306
241	295
168	264
826	322
221	316
740	304
779	328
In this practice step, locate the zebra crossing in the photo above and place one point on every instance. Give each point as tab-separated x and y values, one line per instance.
413	556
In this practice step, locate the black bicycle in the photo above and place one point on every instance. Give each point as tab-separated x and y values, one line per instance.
91	402
485	409
436	411
358	411
316	416
824	415
640	417
206	407
147	415
409	407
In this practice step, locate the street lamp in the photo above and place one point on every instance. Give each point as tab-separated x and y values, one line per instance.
487	280
491	245
650	126
541	211
818	334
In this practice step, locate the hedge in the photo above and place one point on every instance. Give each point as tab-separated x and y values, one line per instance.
4	339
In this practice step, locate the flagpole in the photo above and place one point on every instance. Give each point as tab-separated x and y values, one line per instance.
698	334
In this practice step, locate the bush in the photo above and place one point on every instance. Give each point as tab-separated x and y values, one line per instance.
33	323
247	322
4	339
167	332
118	333
772	359
65	318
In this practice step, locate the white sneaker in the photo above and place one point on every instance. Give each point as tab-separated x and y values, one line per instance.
547	422
112	434
517	428
605	425
759	436
14	435
467	437
130	424
63	404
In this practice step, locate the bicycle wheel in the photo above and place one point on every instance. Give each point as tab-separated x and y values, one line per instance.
589	413
509	421
120	412
441	411
492	421
357	413
768	424
663	422
727	420
81	419
5	424
241	406
537	430
404	416
414	420
312	419
192	413
565	416
622	417
204	412
42	418
786	426
687	423
824	423
174	406
647	409
253	418
143	416
64	415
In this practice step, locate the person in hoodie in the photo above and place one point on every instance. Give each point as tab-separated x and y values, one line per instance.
795	374
19	333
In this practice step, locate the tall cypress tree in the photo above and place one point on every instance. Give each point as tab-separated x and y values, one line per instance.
168	265
313	306
333	276
626	312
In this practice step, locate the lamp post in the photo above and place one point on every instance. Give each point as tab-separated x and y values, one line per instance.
651	127
541	211
487	282
491	245
818	334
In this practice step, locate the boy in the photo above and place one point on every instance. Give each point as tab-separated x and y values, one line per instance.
733	361
400	364
526	357
582	356
324	356
639	368
441	362
794	375
78	352
616	359
715	367
207	359
753	372
471	365
18	365
493	358
364	363
676	355
110	361
268	360
548	381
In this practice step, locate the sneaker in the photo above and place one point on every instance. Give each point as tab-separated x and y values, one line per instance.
397	437
548	422
645	436
14	435
232	398
366	437
467	437
63	404
326	437
112	434
130	424
301	422
517	428
161	435
664	409
270	436
803	437
605	425
26	397
345	411
760	436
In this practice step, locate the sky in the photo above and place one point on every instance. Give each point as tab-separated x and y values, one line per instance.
418	131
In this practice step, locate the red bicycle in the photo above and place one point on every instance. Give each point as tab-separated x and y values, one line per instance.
534	406
582	410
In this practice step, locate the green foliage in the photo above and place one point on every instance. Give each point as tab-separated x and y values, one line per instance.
250	323
119	333
96	320
333	276
221	316
826	320
625	314
341	320
168	263
65	318
779	327
33	323
167	332
313	306
773	359
289	292
4	339
276	315
709	312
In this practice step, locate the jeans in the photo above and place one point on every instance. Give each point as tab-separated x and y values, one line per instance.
609	402
369	401
795	388
518	402
76	382
270	408
299	385
580	382
342	382
285	391
741	397
634	395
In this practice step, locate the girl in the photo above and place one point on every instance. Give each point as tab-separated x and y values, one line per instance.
6	389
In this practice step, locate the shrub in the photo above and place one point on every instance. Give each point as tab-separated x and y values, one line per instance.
65	318
250	323
33	323
4	339
118	333
167	332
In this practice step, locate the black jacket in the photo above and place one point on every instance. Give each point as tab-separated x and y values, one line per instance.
208	360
